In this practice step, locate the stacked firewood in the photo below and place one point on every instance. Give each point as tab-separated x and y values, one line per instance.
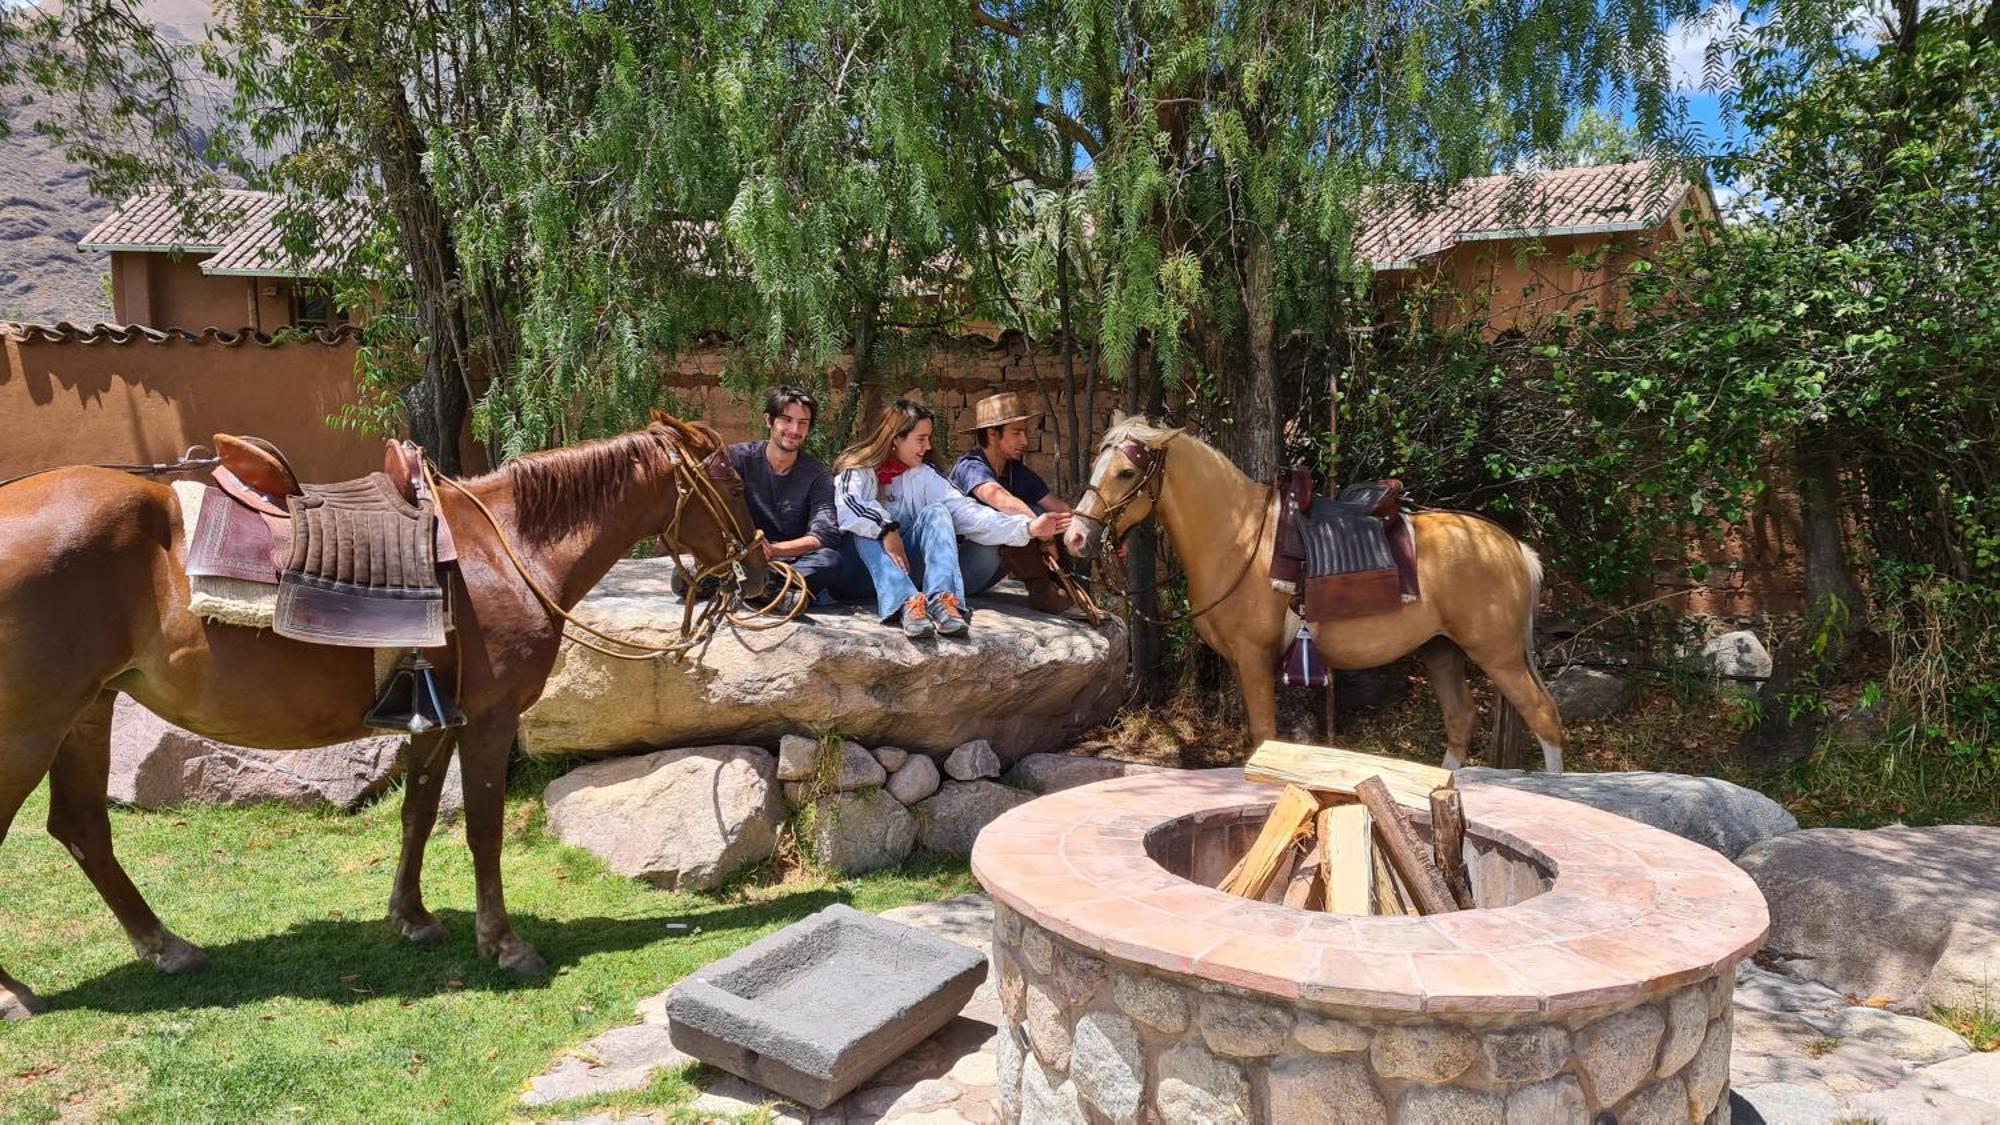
1340	837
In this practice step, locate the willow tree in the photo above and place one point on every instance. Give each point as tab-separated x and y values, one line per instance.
338	105
1227	146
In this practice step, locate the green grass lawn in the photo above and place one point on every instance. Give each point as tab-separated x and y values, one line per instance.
314	1009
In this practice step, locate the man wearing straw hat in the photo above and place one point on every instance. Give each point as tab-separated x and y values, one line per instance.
994	473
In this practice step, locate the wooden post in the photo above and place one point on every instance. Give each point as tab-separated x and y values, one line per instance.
1509	741
1407	853
1448	841
1347	858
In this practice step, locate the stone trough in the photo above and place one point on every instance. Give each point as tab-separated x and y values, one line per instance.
1595	973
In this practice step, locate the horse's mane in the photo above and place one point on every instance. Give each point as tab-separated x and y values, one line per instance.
1135	428
552	487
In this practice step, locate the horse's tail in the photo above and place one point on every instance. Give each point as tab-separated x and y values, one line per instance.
1533	563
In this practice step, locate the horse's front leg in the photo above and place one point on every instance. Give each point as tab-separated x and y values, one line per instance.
483	746
425	760
1256	674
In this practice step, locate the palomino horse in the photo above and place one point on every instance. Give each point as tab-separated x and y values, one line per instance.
94	601
1479	584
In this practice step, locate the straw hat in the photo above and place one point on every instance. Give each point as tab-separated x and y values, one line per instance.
998	410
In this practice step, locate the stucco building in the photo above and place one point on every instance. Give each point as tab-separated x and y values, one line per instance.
228	268
1525	253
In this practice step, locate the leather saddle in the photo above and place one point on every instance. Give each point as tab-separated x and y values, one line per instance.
355	563
1348	556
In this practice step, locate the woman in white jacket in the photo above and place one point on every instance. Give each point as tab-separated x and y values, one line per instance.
906	519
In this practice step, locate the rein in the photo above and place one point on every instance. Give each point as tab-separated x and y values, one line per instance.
1152	465
695	631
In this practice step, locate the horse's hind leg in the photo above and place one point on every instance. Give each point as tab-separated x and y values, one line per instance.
24	759
1524	690
78	820
423	783
1445	662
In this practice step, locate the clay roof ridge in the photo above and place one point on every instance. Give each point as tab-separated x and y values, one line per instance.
64	332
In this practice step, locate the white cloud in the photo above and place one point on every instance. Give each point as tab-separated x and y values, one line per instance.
1688	40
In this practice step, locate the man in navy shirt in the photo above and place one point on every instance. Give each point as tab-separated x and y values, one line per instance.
790	495
994	473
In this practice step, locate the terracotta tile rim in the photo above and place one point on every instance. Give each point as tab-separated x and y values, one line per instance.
1110	820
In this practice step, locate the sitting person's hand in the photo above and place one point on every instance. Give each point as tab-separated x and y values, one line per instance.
1048	525
892	545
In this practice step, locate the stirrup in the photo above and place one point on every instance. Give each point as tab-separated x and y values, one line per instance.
413	701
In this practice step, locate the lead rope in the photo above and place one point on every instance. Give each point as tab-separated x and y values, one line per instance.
1249	561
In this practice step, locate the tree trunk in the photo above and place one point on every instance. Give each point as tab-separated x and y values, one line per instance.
1791	721
1142	579
1252	438
437	404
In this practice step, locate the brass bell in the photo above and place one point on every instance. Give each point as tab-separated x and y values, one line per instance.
413	701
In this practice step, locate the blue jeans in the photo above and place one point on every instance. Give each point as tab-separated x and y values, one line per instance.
932	544
835	574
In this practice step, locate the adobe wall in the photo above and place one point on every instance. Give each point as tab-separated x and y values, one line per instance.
162	291
1510	288
953	377
85	397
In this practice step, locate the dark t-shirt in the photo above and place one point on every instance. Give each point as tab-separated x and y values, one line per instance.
786	507
973	470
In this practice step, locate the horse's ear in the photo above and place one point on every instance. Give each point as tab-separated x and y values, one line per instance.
662	418
1118	416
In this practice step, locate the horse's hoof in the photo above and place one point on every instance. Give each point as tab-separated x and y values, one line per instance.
427	932
17	1003
522	960
178	958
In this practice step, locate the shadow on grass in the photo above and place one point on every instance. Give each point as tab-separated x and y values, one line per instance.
356	961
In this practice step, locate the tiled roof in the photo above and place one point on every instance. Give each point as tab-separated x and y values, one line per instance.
1403	224
63	332
241	233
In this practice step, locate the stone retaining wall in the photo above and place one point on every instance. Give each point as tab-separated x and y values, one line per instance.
1088	1039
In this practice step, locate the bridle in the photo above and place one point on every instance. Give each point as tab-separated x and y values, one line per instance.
1152	466
695	629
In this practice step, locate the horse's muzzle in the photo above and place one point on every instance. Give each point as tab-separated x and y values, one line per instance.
1084	537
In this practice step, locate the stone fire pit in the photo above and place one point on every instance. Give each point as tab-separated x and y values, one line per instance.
1596	973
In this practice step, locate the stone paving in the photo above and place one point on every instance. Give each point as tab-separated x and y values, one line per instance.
1803	1056
945	1080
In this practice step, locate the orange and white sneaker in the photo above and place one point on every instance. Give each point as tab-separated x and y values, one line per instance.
950	618
916	618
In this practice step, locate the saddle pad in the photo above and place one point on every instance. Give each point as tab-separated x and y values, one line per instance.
363	569
215	597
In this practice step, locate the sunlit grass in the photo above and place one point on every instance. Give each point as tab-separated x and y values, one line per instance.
314	1008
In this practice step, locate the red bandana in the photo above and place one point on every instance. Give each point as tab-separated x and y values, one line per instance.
887	472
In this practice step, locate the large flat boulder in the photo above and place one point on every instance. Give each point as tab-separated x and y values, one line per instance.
1023	680
1908	914
679	819
1708	810
155	764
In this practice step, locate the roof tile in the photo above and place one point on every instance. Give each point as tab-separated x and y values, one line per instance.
1402	224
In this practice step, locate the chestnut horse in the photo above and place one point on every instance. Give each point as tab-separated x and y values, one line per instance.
94	601
1479	584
